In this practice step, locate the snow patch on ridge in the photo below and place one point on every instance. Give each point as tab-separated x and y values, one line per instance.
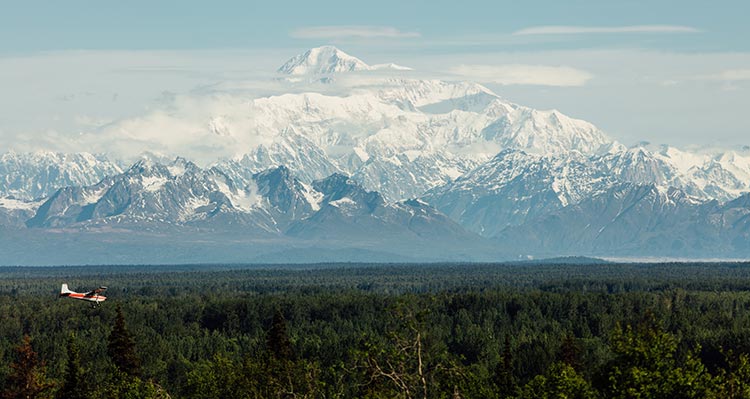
345	201
192	206
314	198
176	169
153	183
15	204
92	196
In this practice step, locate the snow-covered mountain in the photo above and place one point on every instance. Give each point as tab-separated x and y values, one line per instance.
322	60
723	175
328	60
180	195
400	137
515	186
340	154
155	194
393	132
27	176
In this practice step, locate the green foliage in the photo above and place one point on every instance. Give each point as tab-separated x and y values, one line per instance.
121	347
645	365
218	378
505	378
734	382
123	386
278	339
222	377
388	331
560	382
73	385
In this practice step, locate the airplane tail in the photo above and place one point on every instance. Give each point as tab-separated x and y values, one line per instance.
64	290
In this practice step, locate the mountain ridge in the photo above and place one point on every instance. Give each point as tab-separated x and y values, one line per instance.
384	162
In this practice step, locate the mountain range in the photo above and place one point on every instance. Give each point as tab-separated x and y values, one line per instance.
355	159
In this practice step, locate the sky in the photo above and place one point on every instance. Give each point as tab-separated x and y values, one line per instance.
675	72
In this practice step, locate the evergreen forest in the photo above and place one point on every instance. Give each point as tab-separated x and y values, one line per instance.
560	329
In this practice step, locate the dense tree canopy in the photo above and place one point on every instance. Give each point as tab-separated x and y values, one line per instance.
387	331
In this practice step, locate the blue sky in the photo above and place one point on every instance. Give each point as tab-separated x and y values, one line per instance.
37	25
673	72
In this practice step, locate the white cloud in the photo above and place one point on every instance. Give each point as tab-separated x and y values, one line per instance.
519	74
730	75
351	31
573	30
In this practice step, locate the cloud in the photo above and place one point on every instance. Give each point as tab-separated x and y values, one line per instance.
518	74
730	75
351	31
576	30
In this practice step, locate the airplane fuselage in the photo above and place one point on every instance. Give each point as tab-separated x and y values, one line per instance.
85	297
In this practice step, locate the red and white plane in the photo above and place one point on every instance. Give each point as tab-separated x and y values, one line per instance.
91	296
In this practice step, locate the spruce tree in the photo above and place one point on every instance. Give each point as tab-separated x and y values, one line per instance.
570	352
504	374
73	384
121	347
277	339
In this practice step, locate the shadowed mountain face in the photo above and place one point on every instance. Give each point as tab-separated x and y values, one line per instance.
348	211
639	220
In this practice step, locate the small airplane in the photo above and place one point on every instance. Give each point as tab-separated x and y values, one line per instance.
91	296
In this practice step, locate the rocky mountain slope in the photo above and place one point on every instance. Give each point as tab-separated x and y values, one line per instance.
180	195
639	220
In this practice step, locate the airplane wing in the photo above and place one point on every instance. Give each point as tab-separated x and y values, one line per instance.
96	291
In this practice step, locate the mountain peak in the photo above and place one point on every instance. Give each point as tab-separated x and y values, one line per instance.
323	60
